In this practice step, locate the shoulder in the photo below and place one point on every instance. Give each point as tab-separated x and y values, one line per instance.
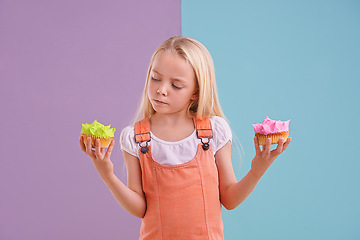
221	132
127	140
219	124
127	132
216	120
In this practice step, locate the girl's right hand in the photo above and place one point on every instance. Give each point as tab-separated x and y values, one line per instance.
99	157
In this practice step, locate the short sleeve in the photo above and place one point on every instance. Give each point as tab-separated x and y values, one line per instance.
127	141
221	132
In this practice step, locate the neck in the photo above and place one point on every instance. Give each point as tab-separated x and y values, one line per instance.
171	119
172	127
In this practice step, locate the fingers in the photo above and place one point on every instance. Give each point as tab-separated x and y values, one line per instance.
267	147
97	149
286	144
99	152
89	150
257	147
109	150
280	146
82	145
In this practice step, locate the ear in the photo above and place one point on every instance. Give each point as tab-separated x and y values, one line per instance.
195	95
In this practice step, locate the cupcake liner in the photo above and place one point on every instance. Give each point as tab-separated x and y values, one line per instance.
104	142
275	137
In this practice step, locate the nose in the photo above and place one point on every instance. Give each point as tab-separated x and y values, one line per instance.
162	90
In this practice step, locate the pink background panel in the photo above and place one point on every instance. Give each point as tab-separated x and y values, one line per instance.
64	63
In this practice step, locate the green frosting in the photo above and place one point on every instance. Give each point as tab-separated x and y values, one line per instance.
97	129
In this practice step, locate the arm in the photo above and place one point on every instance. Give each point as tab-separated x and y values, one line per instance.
233	193
130	197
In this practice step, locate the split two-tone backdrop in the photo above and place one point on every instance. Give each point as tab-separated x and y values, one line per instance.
64	63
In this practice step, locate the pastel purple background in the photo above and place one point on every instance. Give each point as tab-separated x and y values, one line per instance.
63	63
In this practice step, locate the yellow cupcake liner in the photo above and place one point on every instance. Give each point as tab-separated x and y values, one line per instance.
104	142
275	137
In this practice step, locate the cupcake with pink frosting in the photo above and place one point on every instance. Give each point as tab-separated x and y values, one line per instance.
271	129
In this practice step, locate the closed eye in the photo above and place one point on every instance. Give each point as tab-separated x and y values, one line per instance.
176	86
155	79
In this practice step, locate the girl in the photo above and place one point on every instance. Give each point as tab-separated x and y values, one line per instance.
178	157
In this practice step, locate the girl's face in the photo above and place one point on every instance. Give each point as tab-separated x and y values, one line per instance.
172	84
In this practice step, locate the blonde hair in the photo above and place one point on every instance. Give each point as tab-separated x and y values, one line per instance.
195	53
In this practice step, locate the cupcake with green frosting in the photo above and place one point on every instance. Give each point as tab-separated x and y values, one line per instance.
95	131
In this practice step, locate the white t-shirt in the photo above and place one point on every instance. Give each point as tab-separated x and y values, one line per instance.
173	153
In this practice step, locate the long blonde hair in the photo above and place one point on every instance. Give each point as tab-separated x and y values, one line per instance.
195	53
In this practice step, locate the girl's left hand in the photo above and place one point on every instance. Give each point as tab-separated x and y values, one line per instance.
264	158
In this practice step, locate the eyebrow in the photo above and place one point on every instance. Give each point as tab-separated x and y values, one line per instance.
179	79
154	70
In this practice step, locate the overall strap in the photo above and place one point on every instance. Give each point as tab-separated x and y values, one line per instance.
203	130
142	133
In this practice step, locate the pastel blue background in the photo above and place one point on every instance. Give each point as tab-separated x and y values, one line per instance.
295	60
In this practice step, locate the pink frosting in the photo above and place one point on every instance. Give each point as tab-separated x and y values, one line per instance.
271	126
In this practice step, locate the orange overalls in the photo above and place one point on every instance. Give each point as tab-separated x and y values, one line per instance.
183	201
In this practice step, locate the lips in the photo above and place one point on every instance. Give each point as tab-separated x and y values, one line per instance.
159	102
